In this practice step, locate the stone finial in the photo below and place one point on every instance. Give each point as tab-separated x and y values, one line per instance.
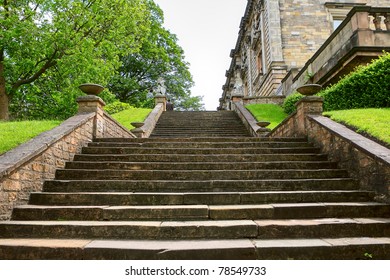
263	130
138	131
91	89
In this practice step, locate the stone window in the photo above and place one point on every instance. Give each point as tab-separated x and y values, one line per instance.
259	63
338	12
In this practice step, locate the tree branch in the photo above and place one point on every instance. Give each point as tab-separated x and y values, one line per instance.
52	61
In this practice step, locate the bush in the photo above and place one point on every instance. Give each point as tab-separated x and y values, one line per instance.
366	87
117	107
290	101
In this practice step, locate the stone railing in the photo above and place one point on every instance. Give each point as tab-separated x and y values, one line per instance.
365	160
146	128
23	169
277	100
361	37
246	117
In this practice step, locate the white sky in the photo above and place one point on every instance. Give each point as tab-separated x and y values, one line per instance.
207	30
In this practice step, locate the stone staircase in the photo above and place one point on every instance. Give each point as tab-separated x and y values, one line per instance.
199	124
174	196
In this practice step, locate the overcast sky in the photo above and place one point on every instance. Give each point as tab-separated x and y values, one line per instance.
207	30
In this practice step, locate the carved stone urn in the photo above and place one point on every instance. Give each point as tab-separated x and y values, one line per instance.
309	89
91	89
263	123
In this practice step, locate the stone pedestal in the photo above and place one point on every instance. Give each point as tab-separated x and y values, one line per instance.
90	104
138	131
93	104
309	105
159	98
237	98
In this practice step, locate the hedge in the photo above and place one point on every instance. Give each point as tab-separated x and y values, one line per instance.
366	87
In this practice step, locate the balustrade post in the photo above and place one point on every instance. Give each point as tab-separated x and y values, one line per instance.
377	21
387	21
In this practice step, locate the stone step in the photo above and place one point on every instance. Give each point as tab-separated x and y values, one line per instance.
129	229
198	185
199	139
207	229
200	165
201	158
112	174
194	198
194	135
201	144
200	212
187	129
324	228
198	151
209	249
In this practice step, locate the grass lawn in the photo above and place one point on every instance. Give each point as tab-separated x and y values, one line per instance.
267	112
131	115
15	133
375	122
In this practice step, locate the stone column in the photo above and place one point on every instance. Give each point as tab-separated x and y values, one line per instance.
93	104
160	98
309	105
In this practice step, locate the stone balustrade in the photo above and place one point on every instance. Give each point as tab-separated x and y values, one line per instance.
360	38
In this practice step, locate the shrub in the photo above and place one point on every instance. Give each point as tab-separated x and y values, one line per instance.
366	87
116	107
290	101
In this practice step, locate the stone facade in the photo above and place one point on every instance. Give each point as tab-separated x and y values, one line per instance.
23	169
280	37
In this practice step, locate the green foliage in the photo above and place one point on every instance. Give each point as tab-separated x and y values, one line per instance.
13	134
48	48
131	115
290	101
373	121
117	107
267	112
366	87
159	56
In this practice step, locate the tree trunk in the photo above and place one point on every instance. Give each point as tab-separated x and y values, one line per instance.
4	98
4	101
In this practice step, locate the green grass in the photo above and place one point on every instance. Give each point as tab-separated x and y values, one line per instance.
131	115
375	122
267	112
13	134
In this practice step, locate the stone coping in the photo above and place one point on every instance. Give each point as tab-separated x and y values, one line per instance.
248	119
152	118
370	147
16	157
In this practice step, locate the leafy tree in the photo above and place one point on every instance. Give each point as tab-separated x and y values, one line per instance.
48	47
159	56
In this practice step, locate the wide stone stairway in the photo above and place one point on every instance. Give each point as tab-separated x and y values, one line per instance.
199	124
198	191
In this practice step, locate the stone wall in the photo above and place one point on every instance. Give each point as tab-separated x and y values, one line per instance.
24	169
277	100
366	161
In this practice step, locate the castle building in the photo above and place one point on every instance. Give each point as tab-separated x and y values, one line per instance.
283	44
